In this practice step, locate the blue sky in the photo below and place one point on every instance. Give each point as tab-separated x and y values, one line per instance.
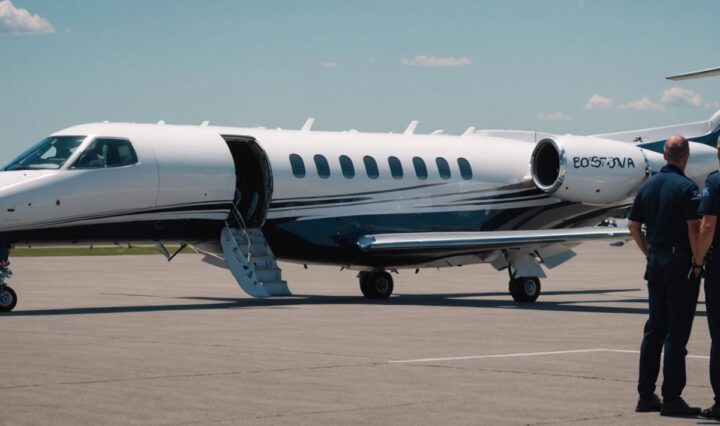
370	65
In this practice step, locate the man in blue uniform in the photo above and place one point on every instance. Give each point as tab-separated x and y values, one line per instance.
667	205
710	237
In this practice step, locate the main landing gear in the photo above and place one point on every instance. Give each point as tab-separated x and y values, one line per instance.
8	297
525	289
376	284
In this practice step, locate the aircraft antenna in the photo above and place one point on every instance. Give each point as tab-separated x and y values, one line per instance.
411	128
308	125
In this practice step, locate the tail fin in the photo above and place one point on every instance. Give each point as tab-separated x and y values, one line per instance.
704	132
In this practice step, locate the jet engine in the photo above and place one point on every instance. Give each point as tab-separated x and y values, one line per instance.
588	170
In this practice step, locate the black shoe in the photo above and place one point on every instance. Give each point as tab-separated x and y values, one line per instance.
677	407
712	412
648	405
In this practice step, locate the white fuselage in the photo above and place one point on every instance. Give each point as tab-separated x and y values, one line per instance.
185	179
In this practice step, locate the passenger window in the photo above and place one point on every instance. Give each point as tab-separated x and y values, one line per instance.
371	167
346	164
323	168
396	169
298	166
107	153
465	169
443	168
420	168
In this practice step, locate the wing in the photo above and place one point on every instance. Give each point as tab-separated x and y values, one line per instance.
696	74
487	241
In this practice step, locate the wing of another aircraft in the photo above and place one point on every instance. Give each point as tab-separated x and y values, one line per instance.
486	241
695	74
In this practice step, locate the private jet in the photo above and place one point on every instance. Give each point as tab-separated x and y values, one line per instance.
370	202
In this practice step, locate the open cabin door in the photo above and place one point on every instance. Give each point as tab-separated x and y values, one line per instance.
247	253
253	179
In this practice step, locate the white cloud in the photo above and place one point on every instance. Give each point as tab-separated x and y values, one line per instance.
643	104
432	61
554	116
598	102
328	65
678	96
16	20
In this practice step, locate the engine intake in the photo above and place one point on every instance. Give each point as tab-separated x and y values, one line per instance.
587	170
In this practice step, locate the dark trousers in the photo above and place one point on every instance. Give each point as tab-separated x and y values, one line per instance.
712	306
672	302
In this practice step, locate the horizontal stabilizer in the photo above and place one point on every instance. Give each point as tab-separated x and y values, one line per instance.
705	132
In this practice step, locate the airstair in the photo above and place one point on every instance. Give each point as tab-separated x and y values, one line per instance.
250	259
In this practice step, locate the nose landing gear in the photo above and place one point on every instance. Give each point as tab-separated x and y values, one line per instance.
8	297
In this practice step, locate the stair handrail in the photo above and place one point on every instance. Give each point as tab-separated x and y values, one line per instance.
243	227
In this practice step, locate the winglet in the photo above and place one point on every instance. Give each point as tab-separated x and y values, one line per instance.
205	123
411	128
470	131
161	123
308	125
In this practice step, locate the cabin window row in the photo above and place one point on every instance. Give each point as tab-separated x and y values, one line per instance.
322	166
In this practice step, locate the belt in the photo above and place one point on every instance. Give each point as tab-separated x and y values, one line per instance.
678	249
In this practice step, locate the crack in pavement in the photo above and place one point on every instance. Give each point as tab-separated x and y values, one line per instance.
539	373
181	376
578	420
312	413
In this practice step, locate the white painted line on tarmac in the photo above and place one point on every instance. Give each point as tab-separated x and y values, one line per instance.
525	354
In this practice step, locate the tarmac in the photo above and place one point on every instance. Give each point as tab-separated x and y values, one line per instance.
136	340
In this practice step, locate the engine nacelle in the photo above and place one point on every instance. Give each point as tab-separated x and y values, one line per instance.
588	170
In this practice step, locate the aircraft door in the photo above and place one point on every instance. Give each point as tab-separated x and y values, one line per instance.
253	179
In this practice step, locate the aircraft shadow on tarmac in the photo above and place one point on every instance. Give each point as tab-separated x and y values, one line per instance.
467	300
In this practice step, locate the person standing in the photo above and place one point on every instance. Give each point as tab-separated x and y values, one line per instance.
667	204
708	252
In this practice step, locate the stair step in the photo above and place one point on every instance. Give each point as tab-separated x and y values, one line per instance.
256	269
268	275
277	288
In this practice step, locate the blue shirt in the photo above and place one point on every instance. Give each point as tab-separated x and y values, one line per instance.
664	204
710	203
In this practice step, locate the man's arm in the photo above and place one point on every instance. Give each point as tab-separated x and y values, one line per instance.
693	227
636	231
705	237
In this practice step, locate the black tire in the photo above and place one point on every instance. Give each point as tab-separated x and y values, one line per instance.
376	285
8	299
525	289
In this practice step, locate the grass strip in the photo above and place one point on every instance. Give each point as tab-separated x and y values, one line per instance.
86	251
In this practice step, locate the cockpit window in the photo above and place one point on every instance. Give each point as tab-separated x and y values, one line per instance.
102	153
48	154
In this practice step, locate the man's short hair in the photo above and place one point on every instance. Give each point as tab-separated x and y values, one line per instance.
677	152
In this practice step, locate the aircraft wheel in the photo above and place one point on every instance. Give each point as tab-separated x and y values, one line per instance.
525	289
8	299
376	285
